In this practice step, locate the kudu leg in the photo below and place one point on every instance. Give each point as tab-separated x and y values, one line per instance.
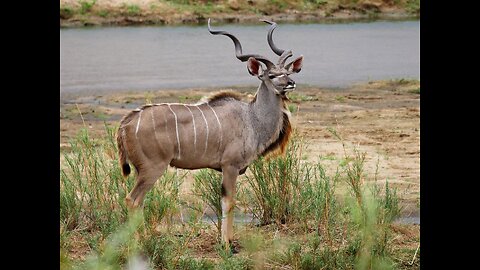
228	203
145	180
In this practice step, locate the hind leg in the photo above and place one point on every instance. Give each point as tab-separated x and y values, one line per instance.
146	178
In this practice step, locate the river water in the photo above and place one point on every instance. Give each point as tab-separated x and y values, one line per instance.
98	59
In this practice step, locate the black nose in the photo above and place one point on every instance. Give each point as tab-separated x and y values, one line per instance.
290	82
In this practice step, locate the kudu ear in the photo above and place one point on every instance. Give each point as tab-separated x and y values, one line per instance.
296	65
253	66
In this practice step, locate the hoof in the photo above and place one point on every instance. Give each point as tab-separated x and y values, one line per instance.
129	202
132	206
233	247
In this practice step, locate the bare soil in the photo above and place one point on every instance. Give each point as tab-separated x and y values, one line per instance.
380	119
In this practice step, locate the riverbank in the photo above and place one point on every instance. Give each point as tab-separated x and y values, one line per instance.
77	13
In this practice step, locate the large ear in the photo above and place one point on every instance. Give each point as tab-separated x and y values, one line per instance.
253	66
295	65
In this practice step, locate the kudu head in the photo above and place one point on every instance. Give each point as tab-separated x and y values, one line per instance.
278	74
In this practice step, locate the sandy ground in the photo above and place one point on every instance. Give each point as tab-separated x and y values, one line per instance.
381	119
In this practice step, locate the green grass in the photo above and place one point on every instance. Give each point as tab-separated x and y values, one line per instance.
289	190
86	6
415	91
403	81
103	13
297	97
274	185
91	185
413	6
317	2
308	222
328	157
163	202
292	108
133	9
369	211
66	12
189	98
340	98
208	187
198	8
119	247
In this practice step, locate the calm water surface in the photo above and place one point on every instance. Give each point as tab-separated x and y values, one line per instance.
93	60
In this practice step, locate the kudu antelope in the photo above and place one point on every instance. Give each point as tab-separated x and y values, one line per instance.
221	133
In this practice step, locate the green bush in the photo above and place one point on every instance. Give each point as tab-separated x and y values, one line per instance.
92	188
86	6
286	189
208	187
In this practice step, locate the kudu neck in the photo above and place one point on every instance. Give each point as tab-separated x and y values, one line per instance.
266	101
267	115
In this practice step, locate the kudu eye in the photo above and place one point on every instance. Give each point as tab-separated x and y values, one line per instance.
271	76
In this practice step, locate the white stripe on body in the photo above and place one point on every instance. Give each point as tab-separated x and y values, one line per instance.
206	124
176	129
138	123
219	124
155	129
194	130
153	121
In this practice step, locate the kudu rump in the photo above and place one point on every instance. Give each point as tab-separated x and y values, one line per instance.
221	133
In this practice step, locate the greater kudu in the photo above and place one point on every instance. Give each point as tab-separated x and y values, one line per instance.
221	133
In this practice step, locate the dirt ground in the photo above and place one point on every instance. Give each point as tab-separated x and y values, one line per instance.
380	119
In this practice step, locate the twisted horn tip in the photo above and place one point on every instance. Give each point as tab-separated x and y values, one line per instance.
267	21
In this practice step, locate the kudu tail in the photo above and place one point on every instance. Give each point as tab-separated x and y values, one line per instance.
122	154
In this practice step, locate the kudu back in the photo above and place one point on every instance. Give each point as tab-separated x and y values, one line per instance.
221	132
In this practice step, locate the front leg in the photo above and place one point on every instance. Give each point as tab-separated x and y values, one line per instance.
230	175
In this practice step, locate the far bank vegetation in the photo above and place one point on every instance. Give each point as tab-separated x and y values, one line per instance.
97	12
